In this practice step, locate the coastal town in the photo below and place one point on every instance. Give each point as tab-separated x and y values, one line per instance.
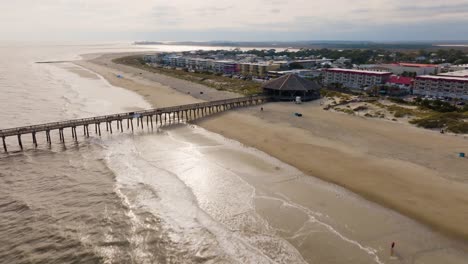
444	80
253	132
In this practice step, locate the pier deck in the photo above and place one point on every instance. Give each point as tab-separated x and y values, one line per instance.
166	115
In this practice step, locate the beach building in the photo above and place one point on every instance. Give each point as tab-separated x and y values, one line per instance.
355	79
441	86
225	67
400	68
204	64
342	61
170	60
404	83
304	73
288	87
152	58
399	85
257	69
460	73
459	67
181	62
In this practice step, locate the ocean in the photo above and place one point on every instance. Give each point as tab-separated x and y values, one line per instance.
174	195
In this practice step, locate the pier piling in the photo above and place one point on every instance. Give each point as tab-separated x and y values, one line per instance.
4	144
19	141
172	115
34	139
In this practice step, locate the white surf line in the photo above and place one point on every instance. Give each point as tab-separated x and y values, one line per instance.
195	148
224	236
310	213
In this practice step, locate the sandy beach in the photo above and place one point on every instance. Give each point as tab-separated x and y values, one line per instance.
413	171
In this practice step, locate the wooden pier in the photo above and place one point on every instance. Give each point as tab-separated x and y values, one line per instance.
163	116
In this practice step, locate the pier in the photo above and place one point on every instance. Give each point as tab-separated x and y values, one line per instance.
162	116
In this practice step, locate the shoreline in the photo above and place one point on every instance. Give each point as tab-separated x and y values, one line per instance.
421	186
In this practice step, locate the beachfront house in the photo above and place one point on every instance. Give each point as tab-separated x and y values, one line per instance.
288	87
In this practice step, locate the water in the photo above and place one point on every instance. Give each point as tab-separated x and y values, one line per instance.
177	195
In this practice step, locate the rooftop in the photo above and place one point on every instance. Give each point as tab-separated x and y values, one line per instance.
291	82
462	73
416	65
438	77
400	80
358	71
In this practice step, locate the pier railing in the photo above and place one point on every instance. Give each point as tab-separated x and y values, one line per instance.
165	115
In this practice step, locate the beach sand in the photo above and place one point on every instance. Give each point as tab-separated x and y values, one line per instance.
413	171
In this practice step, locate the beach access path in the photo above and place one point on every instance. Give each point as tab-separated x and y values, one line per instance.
414	171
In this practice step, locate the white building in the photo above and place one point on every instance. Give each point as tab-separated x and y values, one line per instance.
441	86
355	79
460	73
342	60
399	68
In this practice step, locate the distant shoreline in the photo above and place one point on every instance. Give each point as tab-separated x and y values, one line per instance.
316	44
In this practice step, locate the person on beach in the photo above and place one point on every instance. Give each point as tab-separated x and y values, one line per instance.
392	248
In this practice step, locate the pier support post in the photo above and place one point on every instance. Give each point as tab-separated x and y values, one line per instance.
107	126
121	126
19	141
48	136
118	125
99	129
138	122
110	126
147	121
178	117
131	122
62	138
87	131
160	119
141	121
128	123
4	144
151	119
34	139
95	129
73	133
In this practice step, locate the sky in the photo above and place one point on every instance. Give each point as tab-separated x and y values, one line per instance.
240	20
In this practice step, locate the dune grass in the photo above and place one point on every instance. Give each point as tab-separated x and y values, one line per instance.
245	87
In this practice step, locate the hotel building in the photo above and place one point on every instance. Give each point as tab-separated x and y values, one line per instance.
355	79
441	86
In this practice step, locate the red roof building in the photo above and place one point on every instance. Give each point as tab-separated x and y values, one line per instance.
399	80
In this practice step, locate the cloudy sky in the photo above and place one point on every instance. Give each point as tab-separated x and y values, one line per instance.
246	20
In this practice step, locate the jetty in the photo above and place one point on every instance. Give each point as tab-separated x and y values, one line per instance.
164	116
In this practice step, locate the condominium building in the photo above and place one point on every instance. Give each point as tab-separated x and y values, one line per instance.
355	79
441	86
257	69
226	67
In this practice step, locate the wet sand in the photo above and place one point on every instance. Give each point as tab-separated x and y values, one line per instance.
413	171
